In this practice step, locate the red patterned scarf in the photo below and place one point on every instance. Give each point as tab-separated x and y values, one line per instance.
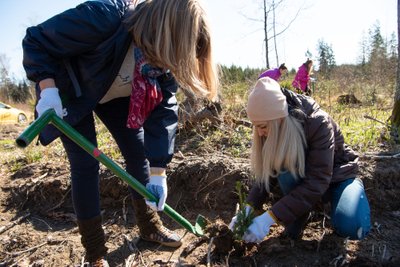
146	92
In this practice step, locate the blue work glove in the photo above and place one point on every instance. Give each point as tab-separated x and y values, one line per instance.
259	228
49	98
157	185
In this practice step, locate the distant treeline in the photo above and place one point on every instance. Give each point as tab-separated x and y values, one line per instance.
235	74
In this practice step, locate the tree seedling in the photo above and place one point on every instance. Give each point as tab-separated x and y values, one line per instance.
244	215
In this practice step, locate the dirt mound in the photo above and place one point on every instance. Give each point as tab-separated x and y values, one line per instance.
194	183
51	190
382	182
207	182
36	187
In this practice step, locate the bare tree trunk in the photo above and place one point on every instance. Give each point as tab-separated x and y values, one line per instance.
274	27
395	118
267	10
266	34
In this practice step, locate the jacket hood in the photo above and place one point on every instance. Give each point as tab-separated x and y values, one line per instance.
296	102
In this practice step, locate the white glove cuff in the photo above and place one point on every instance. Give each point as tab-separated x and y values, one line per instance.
50	91
158	180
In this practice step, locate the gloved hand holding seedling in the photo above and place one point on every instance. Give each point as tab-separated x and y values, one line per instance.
246	225
244	215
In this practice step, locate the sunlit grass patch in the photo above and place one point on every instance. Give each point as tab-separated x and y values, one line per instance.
106	142
360	132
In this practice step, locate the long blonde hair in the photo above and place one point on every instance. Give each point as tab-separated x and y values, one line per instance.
175	35
282	149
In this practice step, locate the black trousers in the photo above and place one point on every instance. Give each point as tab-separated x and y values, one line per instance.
85	168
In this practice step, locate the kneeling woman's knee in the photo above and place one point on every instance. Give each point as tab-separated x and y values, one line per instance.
351	212
353	228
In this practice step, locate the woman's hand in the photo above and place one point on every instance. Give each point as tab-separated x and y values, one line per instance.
157	185
259	228
50	99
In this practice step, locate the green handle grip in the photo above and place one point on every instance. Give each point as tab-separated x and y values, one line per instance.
51	117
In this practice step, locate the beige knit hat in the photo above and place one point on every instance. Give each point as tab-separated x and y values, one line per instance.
266	101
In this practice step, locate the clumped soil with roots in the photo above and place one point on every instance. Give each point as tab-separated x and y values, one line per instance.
37	224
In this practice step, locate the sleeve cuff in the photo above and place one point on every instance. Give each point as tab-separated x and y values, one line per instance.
273	217
157	171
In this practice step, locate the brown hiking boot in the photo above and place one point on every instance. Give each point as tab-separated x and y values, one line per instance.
164	236
151	228
93	240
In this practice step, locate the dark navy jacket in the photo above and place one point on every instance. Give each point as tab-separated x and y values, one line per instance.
82	49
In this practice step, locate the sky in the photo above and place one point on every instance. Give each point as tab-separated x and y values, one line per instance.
237	27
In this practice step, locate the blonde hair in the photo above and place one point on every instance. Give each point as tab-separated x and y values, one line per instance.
175	35
282	149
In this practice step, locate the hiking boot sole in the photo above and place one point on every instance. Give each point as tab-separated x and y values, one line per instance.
172	244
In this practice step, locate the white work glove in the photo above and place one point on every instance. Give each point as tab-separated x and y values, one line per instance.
49	98
234	219
259	228
157	185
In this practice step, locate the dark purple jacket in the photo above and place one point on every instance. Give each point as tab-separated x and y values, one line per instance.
82	49
328	161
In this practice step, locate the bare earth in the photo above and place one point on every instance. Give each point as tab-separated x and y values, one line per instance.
37	224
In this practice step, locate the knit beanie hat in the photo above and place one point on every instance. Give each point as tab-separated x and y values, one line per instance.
266	101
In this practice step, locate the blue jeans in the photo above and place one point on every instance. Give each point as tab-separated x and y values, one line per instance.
350	212
85	168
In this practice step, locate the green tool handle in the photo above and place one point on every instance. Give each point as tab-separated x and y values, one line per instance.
51	117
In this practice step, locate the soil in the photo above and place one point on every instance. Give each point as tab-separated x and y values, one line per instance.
38	228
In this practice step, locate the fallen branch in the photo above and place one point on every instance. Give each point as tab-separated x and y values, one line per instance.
377	156
26	250
381	122
245	123
44	222
323	234
169	259
124	209
12	224
49	241
209	252
61	202
133	248
131	261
